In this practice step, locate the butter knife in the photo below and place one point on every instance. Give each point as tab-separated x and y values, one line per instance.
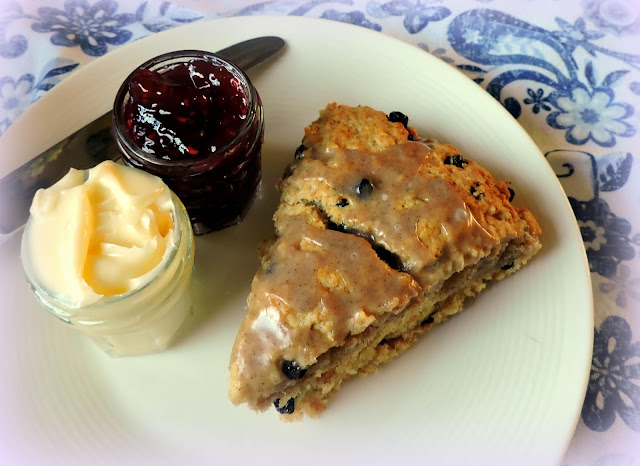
94	143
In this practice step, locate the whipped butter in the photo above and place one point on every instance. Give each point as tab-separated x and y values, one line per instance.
110	251
100	232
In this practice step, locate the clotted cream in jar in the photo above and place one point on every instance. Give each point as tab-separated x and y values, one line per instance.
109	251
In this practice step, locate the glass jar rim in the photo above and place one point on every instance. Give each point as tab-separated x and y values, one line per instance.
122	136
181	232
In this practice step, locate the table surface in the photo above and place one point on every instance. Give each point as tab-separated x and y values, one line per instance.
570	77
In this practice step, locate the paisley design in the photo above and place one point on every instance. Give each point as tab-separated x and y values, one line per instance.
353	17
18	94
417	15
585	109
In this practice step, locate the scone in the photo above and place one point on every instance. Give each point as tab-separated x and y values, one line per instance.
380	235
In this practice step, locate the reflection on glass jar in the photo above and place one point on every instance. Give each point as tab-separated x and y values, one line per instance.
195	120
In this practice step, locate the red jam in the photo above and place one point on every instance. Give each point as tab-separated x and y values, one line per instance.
196	121
191	109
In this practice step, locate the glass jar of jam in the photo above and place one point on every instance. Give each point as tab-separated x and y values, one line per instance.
195	120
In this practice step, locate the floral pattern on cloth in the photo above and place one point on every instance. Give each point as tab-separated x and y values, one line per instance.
625	286
611	390
573	82
91	27
16	94
606	236
591	116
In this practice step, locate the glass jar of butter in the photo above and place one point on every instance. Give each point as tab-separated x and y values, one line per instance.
140	321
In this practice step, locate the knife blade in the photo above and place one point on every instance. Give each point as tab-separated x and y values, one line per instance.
94	143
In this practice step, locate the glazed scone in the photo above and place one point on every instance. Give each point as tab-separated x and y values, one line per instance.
379	236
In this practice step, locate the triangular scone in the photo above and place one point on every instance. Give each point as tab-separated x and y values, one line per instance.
380	235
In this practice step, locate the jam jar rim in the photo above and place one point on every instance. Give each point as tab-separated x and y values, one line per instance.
122	136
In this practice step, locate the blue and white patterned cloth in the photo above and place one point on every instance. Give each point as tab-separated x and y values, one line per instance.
568	70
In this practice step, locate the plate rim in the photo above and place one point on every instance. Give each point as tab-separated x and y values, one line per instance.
84	71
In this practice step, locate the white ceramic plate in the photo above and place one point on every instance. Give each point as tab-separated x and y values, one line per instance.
501	383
